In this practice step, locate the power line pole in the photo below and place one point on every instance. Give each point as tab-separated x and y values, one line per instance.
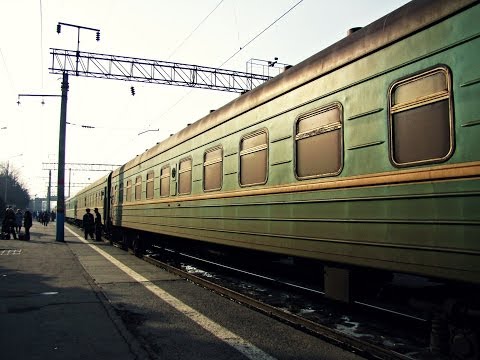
60	231
49	191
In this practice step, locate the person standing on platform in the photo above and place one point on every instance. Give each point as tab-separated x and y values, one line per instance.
98	225
88	224
27	223
45	218
18	220
9	222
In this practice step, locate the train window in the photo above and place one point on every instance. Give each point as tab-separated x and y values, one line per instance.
185	176
115	198
128	192
254	158
421	121
120	192
138	188
165	181
319	142
149	190
213	169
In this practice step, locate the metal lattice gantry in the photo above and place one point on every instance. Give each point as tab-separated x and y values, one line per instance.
80	166
125	68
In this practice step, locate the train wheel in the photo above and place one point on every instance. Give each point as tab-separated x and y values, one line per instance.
125	240
137	246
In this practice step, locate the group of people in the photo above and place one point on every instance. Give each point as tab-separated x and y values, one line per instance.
45	217
12	223
91	224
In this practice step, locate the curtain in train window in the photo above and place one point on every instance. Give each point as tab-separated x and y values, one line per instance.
138	188
185	176
421	124
128	192
212	169
254	158
149	189
120	193
318	143
165	181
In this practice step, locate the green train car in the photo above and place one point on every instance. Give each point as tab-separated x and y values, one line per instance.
96	195
365	155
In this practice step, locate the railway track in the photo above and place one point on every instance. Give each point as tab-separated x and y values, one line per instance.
256	292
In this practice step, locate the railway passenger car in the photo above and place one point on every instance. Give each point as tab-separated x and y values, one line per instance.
96	195
364	156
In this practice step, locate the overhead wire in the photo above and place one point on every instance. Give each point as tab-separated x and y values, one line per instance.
261	32
41	41
178	47
241	48
194	30
10	80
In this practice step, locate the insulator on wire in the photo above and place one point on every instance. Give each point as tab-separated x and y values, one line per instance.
132	90
59	28
98	35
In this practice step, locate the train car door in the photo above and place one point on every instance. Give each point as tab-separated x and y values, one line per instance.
173	185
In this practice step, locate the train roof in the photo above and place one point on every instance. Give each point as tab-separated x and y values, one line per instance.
400	23
93	185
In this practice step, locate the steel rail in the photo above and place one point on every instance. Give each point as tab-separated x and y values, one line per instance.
331	335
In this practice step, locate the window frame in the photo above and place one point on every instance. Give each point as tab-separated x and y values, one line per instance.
162	176
417	104
182	171
128	191
251	150
211	162
150	184
318	131
138	188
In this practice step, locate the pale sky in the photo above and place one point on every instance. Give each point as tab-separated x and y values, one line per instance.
150	29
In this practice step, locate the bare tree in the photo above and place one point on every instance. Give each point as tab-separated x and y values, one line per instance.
12	190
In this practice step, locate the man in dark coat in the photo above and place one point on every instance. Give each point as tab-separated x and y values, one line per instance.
98	225
9	222
88	224
27	223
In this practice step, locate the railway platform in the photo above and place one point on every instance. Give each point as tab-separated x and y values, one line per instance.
50	308
89	300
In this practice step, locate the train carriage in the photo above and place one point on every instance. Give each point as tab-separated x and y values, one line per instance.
364	156
96	195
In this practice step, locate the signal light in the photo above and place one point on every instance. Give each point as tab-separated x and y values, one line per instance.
98	35
59	28
132	90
